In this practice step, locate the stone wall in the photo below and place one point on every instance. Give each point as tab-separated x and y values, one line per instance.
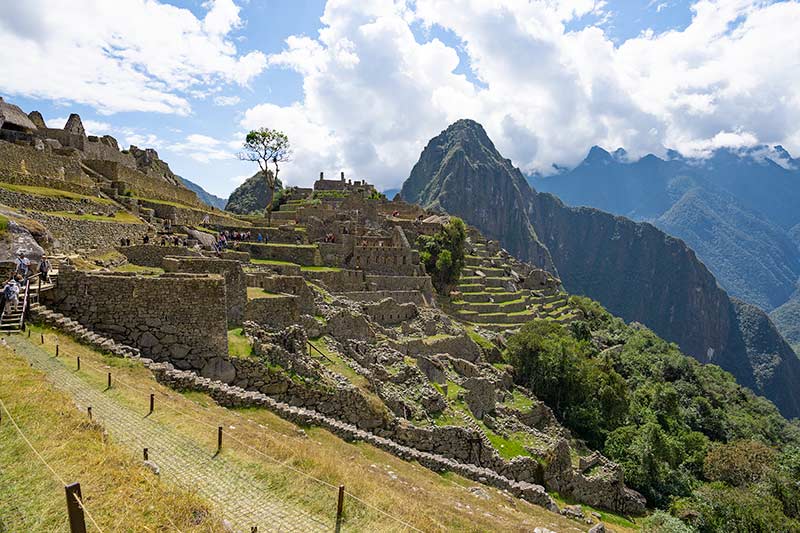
72	234
25	165
460	346
235	280
294	285
388	312
38	202
107	149
339	280
179	318
401	283
183	215
152	255
123	177
415	297
387	260
275	311
333	254
307	254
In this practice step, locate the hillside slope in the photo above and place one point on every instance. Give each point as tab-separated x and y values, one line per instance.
205	196
637	271
251	196
736	208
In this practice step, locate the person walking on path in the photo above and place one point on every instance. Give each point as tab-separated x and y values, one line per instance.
44	269
23	265
11	296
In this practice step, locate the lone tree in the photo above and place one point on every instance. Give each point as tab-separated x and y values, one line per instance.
265	146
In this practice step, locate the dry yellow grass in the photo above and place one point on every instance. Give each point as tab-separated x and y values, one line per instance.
119	493
276	451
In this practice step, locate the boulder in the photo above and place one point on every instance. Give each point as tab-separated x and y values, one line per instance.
481	396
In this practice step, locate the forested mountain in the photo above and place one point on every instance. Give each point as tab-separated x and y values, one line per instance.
251	196
637	271
205	196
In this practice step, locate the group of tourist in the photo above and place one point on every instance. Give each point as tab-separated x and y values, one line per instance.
238	236
22	271
329	237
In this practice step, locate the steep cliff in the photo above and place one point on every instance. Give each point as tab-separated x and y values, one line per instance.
460	171
637	271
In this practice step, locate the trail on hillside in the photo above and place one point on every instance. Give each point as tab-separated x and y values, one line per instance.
239	496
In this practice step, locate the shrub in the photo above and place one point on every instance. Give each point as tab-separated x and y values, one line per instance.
443	254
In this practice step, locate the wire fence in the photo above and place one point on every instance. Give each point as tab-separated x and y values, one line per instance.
55	474
308	496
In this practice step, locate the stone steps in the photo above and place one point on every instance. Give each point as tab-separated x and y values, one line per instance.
511	306
488	296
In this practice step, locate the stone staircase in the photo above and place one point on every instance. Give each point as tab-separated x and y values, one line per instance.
14	320
491	298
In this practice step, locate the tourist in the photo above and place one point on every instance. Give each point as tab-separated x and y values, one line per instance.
260	238
122	241
44	269
146	239
23	265
11	296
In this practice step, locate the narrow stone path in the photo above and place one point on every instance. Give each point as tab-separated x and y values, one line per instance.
239	496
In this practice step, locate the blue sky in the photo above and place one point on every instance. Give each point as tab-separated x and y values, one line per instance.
361	87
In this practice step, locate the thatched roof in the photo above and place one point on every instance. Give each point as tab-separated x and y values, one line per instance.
11	114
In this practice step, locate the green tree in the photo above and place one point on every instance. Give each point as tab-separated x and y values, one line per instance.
266	146
443	254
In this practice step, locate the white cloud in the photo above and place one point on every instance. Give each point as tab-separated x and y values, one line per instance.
374	93
126	55
202	148
92	127
223	101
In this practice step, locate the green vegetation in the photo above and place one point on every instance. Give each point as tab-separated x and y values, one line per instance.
3	225
443	254
257	292
57	193
120	217
265	146
238	345
320	195
687	436
320	269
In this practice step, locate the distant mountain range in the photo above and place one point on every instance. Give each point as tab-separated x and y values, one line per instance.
738	209
637	271
205	196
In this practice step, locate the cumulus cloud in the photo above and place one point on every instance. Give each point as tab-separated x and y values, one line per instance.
126	55
202	148
224	101
374	90
92	127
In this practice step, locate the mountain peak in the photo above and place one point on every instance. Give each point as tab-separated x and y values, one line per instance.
598	155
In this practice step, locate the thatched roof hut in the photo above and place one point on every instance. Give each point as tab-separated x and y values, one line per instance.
13	118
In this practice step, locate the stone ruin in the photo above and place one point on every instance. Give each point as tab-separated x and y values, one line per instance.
344	325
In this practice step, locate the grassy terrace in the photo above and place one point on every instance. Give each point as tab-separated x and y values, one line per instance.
304	268
115	485
120	217
429	501
238	345
54	193
254	293
201	208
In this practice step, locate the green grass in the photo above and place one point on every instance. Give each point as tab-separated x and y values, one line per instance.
222	214
335	362
128	267
519	401
326	296
484	343
54	193
254	293
320	269
238	345
272	262
120	217
3	225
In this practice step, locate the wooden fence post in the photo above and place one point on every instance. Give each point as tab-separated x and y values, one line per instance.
219	439
152	402
77	523
340	509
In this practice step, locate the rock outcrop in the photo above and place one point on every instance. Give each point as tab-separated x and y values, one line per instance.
635	270
252	196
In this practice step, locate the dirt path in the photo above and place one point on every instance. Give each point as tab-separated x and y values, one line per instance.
239	496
